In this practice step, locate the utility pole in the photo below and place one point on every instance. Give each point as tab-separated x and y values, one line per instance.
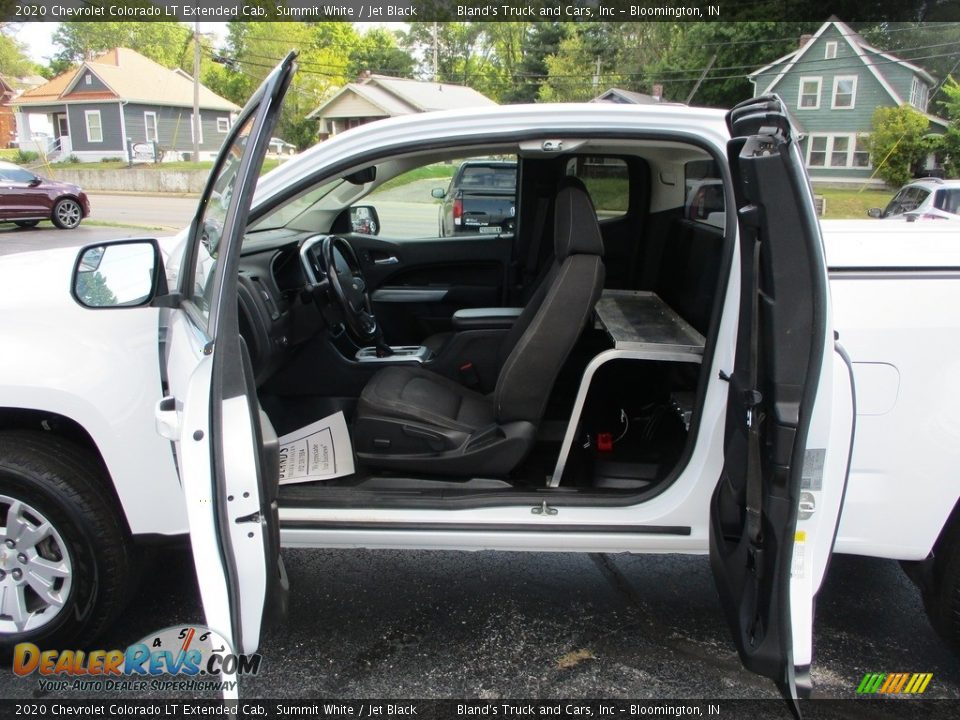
696	87
436	67
195	120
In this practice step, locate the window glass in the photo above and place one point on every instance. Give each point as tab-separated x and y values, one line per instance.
843	91
830	51
460	196
16	175
210	227
607	180
150	126
838	155
948	200
809	92
861	153
94	128
818	151
704	193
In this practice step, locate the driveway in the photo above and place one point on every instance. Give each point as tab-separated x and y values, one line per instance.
490	625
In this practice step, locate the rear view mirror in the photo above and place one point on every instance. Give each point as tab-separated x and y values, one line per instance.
875	212
125	273
364	220
438	193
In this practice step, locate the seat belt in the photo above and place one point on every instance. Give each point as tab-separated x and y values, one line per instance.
533	248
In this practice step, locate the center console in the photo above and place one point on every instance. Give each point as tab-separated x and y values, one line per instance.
399	354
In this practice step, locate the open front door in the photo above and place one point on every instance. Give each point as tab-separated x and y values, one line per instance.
226	449
773	516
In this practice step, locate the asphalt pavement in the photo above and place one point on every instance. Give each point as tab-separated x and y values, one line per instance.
491	625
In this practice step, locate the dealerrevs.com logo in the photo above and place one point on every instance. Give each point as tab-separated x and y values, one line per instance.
194	655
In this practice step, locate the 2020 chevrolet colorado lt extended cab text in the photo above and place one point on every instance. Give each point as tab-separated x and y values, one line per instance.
644	382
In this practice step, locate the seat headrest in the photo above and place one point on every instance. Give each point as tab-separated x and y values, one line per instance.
575	229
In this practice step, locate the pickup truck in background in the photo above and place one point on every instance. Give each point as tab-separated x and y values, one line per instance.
481	198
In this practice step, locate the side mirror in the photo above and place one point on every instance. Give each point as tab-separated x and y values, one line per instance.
875	213
123	273
438	193
364	220
36	181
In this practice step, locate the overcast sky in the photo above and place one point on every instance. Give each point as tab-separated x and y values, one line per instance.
37	36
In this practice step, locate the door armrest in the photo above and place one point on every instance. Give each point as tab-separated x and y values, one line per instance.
499	318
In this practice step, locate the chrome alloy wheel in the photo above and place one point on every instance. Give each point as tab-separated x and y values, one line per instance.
69	213
35	568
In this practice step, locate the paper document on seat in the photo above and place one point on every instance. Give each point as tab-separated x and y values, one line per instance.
319	451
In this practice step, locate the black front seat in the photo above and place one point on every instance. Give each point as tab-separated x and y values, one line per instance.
409	418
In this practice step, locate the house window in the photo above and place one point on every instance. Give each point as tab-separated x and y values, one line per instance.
200	124
809	93
830	50
94	126
838	151
150	126
88	79
861	152
918	94
844	92
223	124
818	151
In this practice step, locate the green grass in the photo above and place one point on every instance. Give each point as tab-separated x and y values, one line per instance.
8	154
441	171
847	204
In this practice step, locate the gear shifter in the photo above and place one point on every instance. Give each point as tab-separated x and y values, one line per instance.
383	350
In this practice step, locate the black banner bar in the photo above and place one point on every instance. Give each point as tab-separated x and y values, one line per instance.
479	10
875	709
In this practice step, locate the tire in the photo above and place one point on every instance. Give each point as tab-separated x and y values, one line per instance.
26	223
67	214
941	596
86	554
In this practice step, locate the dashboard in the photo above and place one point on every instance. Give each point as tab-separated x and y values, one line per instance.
275	314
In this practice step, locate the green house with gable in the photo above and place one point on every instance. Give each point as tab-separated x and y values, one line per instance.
831	85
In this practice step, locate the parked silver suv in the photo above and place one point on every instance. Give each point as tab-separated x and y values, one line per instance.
927	199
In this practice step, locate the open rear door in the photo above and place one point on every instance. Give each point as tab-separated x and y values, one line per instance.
773	516
226	448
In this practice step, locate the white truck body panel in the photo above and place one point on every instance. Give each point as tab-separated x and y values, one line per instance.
896	288
904	458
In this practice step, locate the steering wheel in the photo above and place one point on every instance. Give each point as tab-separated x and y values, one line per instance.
349	289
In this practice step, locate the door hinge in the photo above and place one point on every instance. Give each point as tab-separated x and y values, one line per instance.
543	509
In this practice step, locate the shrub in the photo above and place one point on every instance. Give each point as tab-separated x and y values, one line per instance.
898	143
25	157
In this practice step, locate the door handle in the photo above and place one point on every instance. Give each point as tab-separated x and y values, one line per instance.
392	260
167	419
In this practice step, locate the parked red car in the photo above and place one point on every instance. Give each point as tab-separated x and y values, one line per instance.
26	199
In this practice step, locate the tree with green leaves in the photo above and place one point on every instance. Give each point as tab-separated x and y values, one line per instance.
93	291
379	51
948	144
14	61
898	143
167	43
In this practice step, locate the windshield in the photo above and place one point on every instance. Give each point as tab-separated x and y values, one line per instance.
287	213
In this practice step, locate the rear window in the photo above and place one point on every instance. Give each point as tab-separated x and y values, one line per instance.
489	176
607	179
948	200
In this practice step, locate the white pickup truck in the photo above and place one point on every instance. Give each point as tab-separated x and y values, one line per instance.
676	376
